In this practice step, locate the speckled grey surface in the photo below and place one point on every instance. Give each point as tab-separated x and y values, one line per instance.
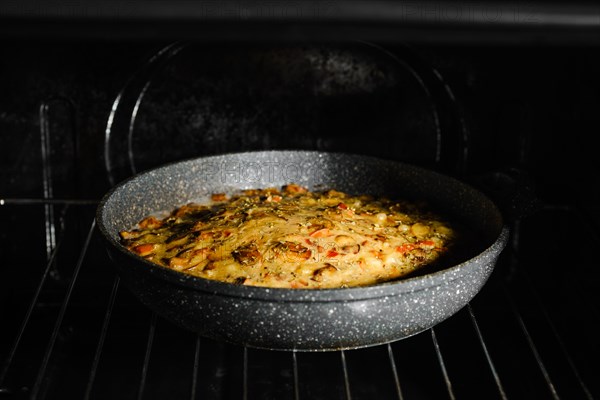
287	319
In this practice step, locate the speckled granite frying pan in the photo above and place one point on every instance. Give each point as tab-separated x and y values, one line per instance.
286	319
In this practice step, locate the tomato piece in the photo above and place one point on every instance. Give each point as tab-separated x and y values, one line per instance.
218	197
319	233
150	223
405	248
144	249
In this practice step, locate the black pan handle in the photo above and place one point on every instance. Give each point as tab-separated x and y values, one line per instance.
512	190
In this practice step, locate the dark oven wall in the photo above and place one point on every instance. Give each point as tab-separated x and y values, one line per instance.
516	121
528	107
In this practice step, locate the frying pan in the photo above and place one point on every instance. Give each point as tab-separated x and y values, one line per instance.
301	319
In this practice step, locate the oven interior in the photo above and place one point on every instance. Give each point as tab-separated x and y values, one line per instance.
518	122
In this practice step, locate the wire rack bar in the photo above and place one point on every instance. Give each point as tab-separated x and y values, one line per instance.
394	372
557	337
438	351
149	343
104	330
47	178
27	317
345	372
42	371
487	354
531	344
296	378
35	202
195	369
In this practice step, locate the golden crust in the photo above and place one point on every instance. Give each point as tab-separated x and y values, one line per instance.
293	238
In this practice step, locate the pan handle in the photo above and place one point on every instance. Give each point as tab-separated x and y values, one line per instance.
512	190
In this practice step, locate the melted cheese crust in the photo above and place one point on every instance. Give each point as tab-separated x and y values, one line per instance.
294	238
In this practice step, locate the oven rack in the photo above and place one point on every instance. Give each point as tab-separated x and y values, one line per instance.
75	332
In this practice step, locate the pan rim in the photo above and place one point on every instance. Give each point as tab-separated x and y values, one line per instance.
384	289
